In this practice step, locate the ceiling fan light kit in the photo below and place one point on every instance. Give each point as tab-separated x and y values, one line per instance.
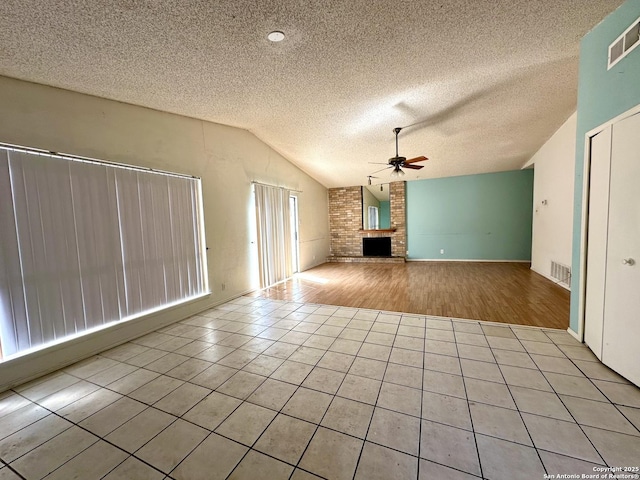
397	172
398	162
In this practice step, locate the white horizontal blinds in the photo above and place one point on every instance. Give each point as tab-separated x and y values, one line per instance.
274	234
87	244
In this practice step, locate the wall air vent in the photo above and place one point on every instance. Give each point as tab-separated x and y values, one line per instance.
622	46
562	273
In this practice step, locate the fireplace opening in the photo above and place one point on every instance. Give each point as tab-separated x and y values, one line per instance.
376	247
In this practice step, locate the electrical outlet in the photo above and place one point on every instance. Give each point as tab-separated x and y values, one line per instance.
442	251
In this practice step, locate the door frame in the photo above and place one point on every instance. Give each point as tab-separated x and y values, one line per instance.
294	212
584	219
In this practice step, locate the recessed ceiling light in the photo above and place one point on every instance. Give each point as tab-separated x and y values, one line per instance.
276	36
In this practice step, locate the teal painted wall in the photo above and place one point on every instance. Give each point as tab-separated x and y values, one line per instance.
385	214
602	95
479	217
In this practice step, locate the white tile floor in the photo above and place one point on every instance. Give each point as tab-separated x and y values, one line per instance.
261	389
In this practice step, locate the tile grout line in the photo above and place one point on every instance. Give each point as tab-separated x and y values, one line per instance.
250	448
279	412
388	361
466	394
212	432
334	395
424	344
615	405
275	416
99	438
563	404
604	462
226	417
533	444
4	464
144	403
366	435
610	401
330	403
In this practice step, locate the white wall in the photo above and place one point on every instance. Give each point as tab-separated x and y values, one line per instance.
226	158
553	181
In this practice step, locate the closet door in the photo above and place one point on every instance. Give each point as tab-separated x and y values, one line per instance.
622	287
597	240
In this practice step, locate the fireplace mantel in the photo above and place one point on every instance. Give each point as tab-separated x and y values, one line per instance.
378	230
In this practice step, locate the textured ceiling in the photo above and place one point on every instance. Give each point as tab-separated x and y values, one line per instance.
483	82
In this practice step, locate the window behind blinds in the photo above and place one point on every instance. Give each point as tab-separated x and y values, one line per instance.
85	244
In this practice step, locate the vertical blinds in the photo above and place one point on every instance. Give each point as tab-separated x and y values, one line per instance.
86	244
274	234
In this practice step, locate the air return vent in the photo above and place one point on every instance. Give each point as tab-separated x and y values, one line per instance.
626	42
562	273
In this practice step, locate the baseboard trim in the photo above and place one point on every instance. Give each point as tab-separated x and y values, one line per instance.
464	260
574	335
314	264
551	279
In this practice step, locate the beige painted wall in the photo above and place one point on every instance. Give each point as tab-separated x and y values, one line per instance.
226	158
553	181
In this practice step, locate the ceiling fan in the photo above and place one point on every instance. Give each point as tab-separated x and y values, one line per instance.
369	177
398	162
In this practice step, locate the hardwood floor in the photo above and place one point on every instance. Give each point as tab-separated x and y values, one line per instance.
497	292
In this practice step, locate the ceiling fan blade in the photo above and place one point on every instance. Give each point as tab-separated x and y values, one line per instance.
417	159
413	167
382	169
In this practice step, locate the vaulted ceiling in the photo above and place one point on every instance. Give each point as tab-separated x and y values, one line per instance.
479	84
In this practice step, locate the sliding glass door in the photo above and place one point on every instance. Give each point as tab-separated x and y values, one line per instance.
273	219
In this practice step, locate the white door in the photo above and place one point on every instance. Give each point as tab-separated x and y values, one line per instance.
597	240
621	333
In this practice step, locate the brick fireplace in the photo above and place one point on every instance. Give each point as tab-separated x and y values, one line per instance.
345	224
